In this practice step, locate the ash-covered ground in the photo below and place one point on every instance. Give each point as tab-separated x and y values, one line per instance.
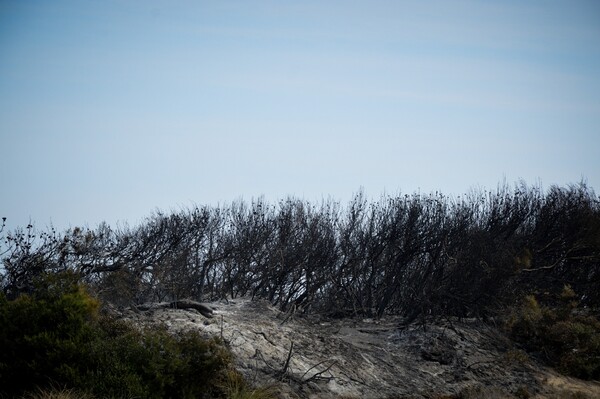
315	357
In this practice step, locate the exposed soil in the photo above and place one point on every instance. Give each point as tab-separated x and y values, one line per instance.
367	358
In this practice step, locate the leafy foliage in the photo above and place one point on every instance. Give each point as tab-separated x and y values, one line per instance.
57	394
563	336
235	386
56	337
41	335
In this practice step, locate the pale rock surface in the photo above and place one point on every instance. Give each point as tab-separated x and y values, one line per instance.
365	358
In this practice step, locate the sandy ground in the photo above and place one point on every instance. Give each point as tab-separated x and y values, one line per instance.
312	357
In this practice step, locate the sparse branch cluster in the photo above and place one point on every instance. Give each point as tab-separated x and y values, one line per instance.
415	255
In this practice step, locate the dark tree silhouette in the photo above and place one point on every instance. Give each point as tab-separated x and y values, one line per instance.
414	255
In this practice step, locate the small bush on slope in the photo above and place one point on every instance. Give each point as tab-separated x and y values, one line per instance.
562	336
57	394
55	337
235	386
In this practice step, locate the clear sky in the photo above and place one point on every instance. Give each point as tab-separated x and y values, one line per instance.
112	109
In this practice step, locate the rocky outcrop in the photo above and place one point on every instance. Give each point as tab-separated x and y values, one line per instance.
313	357
204	309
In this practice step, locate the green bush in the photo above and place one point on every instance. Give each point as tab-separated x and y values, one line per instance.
42	335
56	338
561	335
235	386
57	394
152	363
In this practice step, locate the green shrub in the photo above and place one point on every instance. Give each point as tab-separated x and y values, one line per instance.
152	363
561	335
234	386
57	394
516	357
522	393
41	335
56	338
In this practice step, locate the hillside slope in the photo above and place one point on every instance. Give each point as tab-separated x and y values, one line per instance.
366	358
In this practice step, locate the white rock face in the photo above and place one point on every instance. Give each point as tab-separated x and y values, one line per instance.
368	358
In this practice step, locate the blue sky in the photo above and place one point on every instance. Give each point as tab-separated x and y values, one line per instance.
110	110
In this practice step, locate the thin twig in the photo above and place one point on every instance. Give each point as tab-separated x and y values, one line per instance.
286	365
289	315
317	375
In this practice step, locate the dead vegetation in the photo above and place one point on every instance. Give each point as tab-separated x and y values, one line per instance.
374	276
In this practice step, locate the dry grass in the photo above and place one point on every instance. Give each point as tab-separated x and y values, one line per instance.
234	386
57	394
